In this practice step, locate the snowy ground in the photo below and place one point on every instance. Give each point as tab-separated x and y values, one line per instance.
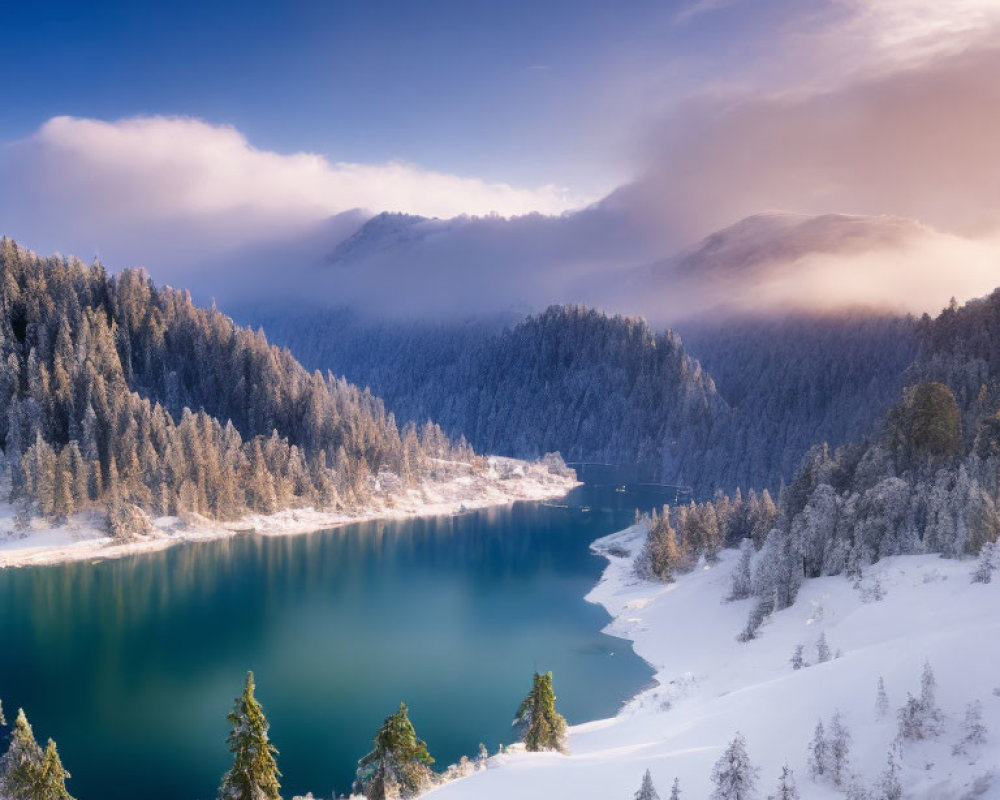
504	481
711	686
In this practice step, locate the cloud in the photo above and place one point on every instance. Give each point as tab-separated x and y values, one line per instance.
921	142
153	188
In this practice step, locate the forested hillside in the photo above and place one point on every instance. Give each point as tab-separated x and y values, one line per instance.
118	392
592	386
604	388
926	480
798	381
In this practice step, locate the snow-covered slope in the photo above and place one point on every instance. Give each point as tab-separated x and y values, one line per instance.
711	686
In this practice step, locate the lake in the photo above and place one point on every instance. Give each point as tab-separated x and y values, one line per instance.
132	664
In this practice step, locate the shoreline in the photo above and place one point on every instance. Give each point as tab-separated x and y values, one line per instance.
81	539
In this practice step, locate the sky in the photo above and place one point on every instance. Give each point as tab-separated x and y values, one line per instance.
172	135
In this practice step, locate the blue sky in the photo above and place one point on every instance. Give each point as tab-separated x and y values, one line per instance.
520	90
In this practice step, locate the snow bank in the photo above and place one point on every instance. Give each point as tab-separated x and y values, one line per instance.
463	488
710	685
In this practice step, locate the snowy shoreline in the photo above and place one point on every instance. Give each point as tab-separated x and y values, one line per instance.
83	538
709	685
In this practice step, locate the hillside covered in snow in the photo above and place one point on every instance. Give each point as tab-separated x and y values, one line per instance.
904	613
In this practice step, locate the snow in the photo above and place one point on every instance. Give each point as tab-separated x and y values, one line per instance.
709	686
461	488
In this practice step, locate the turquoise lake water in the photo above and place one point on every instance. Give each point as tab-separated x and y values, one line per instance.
132	664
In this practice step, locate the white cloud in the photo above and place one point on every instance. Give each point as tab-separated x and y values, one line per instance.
146	186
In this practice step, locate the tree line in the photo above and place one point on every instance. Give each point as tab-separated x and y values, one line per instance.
120	393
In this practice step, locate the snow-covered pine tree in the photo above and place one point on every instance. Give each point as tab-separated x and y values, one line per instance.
881	700
20	765
787	790
986	565
819	750
646	790
482	756
51	780
675	790
398	765
734	776
742	577
888	786
839	749
822	649
542	727
928	699
973	731
254	774
3	720
797	659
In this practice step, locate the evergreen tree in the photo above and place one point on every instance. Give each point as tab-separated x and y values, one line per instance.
838	750
742	579
398	765
819	750
881	700
647	791
986	564
3	719
973	730
735	778
21	764
50	783
254	774
787	790
888	786
675	790
798	662
543	728
822	649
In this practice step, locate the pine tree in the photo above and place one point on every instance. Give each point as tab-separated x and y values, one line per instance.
735	778
398	765
742	578
797	659
973	729
888	786
822	649
647	791
51	781
543	728
787	790
839	749
818	752
20	766
881	700
986	564
3	719
675	790
254	774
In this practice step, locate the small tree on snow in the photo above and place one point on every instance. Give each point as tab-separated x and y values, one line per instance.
398	765
928	699
973	729
986	565
787	789
742	576
735	778
543	728
797	659
675	790
888	786
647	791
881	700
818	752
822	649
838	750
912	722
